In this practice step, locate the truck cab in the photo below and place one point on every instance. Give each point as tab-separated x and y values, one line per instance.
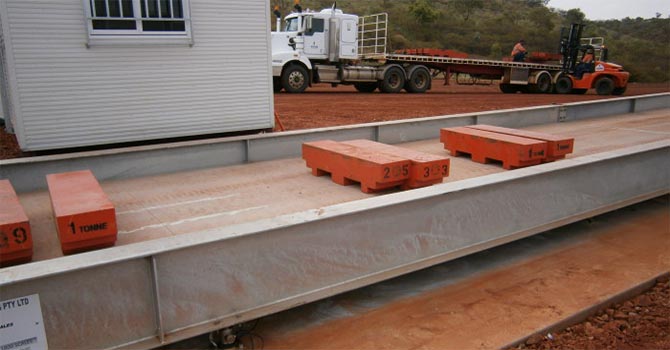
308	38
337	48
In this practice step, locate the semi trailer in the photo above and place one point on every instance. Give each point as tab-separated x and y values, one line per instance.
333	47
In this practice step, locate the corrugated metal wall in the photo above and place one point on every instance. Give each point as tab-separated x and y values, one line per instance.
1	105
3	78
70	95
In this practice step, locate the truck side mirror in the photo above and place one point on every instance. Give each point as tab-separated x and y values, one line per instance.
308	24
291	43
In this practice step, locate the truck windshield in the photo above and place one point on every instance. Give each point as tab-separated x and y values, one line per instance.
292	24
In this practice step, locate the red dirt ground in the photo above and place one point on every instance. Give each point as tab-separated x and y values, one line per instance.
324	105
640	323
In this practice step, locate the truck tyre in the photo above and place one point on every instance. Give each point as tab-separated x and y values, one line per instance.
542	84
294	79
394	81
365	87
604	86
619	91
419	81
563	84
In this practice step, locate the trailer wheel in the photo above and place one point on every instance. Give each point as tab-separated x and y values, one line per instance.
542	84
394	81
294	79
619	91
365	87
563	85
419	81
604	86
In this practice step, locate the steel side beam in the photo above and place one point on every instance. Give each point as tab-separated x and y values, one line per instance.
145	294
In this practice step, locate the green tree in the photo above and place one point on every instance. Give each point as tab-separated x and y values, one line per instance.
496	51
575	16
489	28
466	7
423	11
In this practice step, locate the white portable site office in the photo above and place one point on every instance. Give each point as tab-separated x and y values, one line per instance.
2	115
91	72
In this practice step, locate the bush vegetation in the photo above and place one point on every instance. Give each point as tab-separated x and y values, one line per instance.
489	29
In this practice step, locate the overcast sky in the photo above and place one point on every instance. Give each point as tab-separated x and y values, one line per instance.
615	9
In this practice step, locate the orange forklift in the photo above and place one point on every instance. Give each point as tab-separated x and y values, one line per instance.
585	66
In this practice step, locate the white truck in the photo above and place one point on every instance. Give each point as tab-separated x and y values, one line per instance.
337	48
333	47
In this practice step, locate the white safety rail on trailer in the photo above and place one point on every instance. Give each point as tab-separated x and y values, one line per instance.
372	35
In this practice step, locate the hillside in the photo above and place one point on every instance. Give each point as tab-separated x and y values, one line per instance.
489	28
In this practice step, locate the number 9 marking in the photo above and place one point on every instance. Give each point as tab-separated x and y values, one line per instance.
20	235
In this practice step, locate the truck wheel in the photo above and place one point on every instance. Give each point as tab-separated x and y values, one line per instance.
394	81
542	84
295	79
419	81
365	87
604	86
564	84
619	91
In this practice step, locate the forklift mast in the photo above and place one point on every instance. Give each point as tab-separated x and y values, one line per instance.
570	46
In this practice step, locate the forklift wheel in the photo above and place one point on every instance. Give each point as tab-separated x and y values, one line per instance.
604	86
563	85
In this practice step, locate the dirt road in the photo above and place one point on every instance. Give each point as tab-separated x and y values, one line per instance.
323	105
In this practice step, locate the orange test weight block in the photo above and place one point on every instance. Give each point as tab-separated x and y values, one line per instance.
427	169
512	151
347	164
16	242
557	146
85	217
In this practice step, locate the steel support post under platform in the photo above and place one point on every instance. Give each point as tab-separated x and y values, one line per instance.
145	294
